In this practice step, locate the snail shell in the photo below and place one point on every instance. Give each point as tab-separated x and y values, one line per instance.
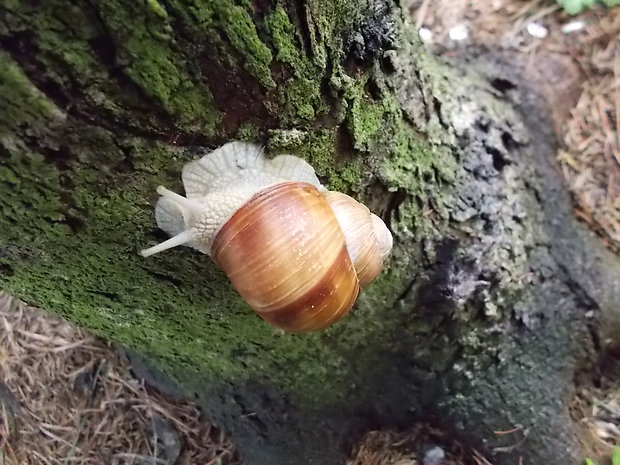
297	253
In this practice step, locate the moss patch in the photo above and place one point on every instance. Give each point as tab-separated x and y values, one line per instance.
116	59
318	148
80	204
146	50
241	31
302	74
178	309
23	103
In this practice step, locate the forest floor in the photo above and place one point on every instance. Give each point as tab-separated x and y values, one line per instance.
67	397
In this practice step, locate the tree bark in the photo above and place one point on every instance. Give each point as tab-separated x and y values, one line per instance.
489	314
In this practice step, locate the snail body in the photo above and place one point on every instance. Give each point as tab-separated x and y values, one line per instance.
297	253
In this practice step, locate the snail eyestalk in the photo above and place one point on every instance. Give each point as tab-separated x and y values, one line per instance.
184	203
179	239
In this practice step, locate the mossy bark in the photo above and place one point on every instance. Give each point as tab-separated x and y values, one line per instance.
488	315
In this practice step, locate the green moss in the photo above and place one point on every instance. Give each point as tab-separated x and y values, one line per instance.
81	225
303	100
249	131
157	8
317	147
365	119
286	41
177	308
227	27
241	31
152	61
141	52
24	104
342	175
301	92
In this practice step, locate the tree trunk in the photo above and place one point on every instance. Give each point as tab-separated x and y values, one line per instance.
490	313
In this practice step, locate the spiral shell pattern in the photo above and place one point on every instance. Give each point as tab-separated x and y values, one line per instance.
295	275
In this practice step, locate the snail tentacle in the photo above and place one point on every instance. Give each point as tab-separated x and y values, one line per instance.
191	206
180	239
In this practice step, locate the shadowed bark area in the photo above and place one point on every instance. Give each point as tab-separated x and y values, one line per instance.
489	313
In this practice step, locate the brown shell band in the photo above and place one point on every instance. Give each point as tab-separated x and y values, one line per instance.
285	254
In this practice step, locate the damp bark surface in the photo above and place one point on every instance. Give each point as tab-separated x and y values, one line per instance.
495	306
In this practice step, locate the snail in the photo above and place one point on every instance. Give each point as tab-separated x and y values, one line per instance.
297	253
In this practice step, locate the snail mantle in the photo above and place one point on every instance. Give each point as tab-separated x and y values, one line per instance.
297	253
